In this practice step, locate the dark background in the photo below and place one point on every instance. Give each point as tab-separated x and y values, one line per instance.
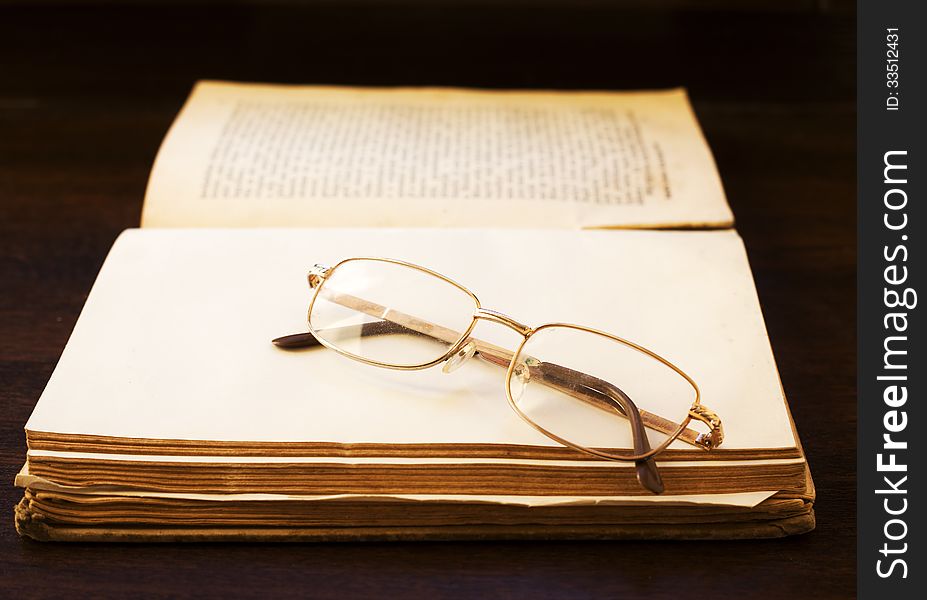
88	91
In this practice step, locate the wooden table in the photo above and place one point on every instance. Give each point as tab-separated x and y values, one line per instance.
86	94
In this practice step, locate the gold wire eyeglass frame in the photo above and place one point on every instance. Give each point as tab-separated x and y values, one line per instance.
462	347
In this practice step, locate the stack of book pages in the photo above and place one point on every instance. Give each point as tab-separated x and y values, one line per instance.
171	416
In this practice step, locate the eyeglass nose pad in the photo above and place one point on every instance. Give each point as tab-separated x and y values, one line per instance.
465	353
522	374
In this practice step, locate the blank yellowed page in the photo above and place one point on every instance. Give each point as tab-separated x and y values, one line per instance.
745	499
174	340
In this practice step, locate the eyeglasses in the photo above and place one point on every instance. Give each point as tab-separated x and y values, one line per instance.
584	388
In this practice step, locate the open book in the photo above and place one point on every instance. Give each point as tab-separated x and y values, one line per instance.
171	416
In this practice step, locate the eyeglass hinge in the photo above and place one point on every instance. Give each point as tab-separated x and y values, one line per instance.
715	434
316	274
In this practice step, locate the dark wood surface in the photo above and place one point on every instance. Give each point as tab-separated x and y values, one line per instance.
86	94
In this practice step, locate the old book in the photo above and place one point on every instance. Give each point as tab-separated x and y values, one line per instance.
169	384
170	416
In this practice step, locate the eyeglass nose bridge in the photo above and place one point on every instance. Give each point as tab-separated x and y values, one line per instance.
502	319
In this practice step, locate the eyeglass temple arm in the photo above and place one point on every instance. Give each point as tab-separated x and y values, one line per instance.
593	393
307	340
605	396
501	357
573	383
586	388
